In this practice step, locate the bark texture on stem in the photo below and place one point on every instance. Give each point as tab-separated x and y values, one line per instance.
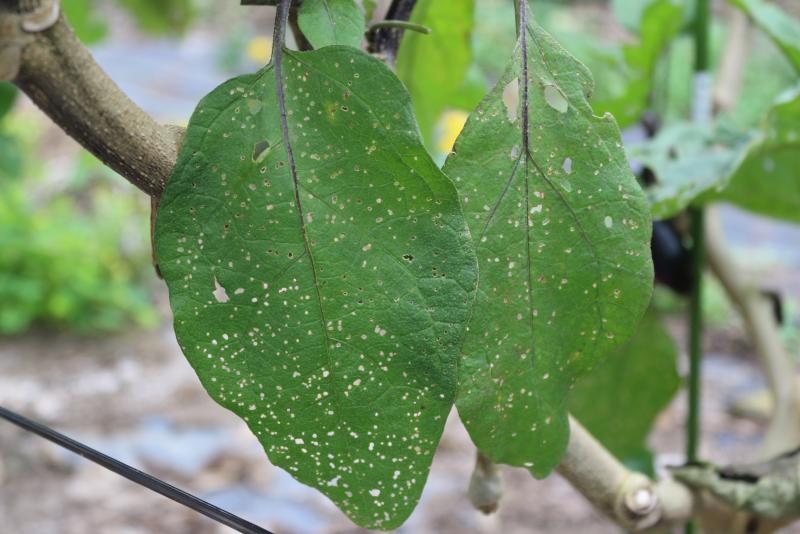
629	498
59	74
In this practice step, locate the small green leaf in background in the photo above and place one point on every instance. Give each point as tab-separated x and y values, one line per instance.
780	26
324	303
8	95
688	160
369	7
331	22
434	66
10	157
620	400
82	15
766	179
630	12
562	232
661	22
162	16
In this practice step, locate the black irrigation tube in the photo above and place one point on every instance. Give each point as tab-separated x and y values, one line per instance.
134	475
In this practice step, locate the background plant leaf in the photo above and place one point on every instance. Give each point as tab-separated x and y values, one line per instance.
434	66
8	95
766	179
331	22
661	21
756	170
562	235
619	401
689	161
369	7
630	12
775	22
85	20
330	326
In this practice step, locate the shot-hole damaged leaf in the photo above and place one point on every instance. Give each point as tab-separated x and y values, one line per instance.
562	234
320	287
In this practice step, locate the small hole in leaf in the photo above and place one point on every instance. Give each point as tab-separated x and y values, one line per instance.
408	257
219	292
260	150
555	98
511	99
567	165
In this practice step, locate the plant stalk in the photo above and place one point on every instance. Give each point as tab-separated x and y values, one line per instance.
701	113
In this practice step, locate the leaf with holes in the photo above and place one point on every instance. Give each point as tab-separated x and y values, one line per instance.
690	161
331	22
619	401
320	274
775	22
434	66
562	234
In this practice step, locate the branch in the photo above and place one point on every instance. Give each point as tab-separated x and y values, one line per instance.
629	498
385	41
49	64
783	432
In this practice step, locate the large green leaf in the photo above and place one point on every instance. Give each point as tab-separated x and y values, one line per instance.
661	22
619	401
434	66
689	161
780	26
321	275
766	179
331	22
562	234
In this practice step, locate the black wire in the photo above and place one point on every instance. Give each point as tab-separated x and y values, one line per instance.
148	481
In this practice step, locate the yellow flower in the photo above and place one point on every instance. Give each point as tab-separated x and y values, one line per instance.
450	125
259	50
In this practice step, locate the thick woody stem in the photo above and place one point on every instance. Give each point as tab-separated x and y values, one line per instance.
59	74
627	497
